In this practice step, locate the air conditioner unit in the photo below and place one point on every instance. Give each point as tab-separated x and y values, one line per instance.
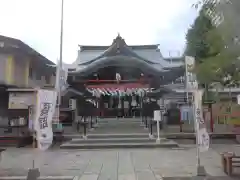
72	104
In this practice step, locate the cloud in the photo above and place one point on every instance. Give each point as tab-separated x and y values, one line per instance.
94	22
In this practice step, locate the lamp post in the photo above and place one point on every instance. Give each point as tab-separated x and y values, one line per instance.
60	60
59	73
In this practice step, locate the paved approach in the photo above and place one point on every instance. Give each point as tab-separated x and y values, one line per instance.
129	164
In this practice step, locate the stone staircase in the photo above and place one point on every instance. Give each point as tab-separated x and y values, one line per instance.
117	133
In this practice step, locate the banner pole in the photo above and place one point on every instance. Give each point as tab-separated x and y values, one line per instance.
200	169
202	137
33	173
158	132
196	135
186	81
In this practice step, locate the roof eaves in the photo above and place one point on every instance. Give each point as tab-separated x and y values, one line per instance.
32	51
16	43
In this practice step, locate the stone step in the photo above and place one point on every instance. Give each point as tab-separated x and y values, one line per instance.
213	141
108	135
40	178
168	144
116	122
107	125
121	122
120	119
119	131
120	127
111	140
192	135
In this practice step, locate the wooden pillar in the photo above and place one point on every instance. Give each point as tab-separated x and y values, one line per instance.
211	118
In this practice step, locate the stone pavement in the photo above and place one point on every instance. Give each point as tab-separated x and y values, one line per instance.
121	164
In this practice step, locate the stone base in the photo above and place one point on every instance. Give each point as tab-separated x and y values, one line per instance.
95	125
151	136
84	137
201	171
33	174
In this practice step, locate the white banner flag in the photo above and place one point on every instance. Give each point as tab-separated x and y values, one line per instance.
191	81
45	107
190	63
203	140
200	127
238	99
198	107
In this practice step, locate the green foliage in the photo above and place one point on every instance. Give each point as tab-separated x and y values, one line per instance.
197	45
205	43
214	60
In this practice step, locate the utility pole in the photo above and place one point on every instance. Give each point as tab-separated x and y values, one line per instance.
59	74
61	35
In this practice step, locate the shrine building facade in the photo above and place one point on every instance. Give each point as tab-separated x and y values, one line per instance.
117	79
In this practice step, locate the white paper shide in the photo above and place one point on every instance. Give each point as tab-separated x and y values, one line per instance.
46	103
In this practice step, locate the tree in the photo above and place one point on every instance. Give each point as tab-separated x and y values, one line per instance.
224	14
209	40
205	44
196	37
215	61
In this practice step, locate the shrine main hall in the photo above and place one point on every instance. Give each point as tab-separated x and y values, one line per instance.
117	80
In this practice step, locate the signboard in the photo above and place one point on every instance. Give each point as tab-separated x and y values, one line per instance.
45	107
157	115
72	104
19	100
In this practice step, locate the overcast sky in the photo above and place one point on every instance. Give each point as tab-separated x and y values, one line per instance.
96	22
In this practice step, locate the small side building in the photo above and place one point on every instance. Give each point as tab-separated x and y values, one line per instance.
22	70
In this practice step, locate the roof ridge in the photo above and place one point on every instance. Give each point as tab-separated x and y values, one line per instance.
117	44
